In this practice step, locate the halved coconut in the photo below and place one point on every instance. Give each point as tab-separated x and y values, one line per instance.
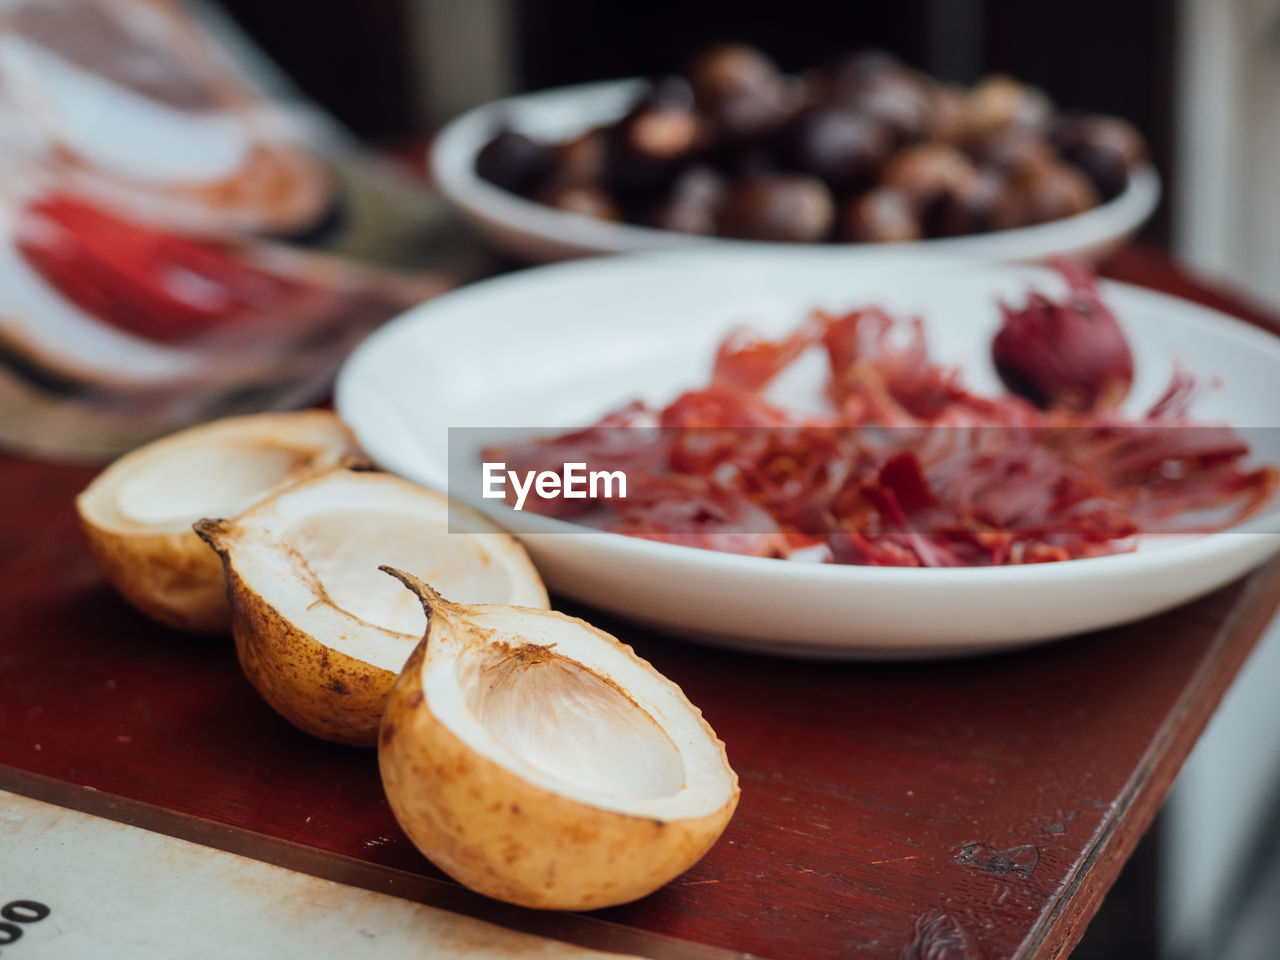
138	512
320	632
538	760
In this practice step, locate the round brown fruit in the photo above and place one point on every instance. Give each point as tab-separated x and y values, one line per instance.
515	162
739	91
841	147
647	146
779	208
1012	150
990	201
999	102
852	74
947	109
883	215
903	102
928	172
1107	149
729	70
581	198
1056	190
581	160
693	203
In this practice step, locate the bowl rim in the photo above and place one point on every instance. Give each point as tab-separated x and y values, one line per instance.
452	154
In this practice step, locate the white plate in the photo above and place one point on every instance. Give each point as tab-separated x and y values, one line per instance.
537	232
556	347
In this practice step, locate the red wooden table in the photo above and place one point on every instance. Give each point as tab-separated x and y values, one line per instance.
966	809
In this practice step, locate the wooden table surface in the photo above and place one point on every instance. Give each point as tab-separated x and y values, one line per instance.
964	809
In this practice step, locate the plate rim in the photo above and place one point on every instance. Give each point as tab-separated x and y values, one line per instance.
1203	548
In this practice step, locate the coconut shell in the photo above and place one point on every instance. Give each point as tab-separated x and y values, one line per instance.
322	691
297	662
500	834
170	575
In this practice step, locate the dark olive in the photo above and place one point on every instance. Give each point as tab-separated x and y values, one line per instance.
747	117
1107	149
1055	190
781	208
744	161
585	199
901	101
662	135
928	172
702	182
688	214
947	112
740	92
1011	150
876	84
684	215
852	74
883	215
989	201
729	69
811	88
999	102
843	148
663	125
1105	169
693	203
647	147
670	93
514	162
580	160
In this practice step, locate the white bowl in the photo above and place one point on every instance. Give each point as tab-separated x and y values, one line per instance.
555	347
534	231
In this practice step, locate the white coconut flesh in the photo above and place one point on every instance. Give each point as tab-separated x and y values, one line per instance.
570	725
218	482
217	470
570	710
313	554
344	549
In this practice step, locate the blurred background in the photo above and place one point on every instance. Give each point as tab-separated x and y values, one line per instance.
1199	78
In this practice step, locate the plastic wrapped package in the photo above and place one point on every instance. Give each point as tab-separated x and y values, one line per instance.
176	244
